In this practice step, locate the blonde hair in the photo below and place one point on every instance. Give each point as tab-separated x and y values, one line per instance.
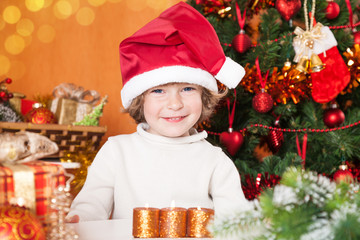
209	101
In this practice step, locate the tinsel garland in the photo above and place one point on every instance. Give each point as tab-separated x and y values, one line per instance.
253	188
7	114
286	85
352	56
291	85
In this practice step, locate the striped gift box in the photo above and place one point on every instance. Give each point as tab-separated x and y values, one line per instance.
44	177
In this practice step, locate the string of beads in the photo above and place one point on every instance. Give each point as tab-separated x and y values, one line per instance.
291	33
293	130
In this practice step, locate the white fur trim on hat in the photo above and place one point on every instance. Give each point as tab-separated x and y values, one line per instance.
147	80
230	73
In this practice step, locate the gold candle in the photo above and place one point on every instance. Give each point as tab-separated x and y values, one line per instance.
173	222
145	222
197	221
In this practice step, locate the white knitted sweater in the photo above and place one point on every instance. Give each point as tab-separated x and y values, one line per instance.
141	168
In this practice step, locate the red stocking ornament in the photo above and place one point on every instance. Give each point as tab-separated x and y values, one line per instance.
231	140
319	40
241	42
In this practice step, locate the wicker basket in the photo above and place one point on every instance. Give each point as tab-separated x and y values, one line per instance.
69	138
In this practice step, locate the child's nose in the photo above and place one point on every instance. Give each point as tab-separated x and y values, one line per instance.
175	102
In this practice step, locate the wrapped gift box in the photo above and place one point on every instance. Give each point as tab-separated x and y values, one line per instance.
72	103
36	179
69	111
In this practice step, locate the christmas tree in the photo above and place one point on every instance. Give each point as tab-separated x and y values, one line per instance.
294	119
299	102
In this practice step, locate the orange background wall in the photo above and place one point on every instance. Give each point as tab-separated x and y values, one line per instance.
71	41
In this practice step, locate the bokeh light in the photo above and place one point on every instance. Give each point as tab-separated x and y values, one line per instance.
63	9
34	5
2	23
96	3
47	3
46	33
28	40
75	4
25	27
157	4
14	44
17	70
85	16
4	65
11	14
114	1
136	5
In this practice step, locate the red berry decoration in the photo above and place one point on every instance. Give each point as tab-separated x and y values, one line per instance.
262	102
241	42
275	139
288	8
8	80
2	94
332	10
232	141
343	175
333	117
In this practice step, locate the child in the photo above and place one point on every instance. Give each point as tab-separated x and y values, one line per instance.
169	68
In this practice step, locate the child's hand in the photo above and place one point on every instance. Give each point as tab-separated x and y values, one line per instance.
72	219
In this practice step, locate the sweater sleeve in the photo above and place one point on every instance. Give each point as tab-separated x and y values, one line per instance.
225	188
95	200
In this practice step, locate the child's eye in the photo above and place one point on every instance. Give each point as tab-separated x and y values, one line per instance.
188	89
157	91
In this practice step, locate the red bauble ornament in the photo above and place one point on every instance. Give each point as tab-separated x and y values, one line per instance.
356	37
241	42
332	10
232	141
19	223
275	139
262	102
333	117
288	8
40	115
343	175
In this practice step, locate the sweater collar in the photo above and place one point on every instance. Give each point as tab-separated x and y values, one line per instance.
194	136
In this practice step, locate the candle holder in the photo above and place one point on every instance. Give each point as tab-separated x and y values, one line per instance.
197	221
146	222
173	222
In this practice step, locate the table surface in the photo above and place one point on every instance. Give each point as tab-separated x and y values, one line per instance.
119	229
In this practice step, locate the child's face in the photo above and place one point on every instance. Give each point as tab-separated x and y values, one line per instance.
172	109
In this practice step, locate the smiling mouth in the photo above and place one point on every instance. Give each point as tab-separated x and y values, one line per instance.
174	119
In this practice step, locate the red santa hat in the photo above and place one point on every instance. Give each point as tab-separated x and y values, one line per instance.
178	46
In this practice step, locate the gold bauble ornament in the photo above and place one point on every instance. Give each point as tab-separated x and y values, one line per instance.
18	223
